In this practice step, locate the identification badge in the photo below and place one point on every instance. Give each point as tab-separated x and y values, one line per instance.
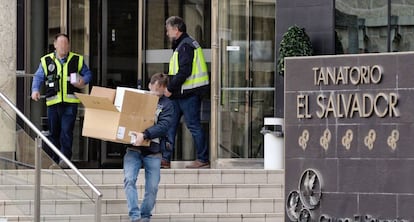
51	84
51	67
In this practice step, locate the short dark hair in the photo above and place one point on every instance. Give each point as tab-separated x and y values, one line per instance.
178	22
161	78
61	34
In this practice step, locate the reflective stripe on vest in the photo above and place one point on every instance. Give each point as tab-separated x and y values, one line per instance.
199	73
62	95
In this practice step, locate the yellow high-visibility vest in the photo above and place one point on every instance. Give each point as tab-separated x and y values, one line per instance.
199	73
53	69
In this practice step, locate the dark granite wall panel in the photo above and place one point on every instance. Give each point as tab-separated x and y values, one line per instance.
317	17
405	206
379	205
362	166
339	204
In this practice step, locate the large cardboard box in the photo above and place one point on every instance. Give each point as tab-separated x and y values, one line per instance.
104	121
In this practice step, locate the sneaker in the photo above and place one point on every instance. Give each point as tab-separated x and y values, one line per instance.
198	164
165	164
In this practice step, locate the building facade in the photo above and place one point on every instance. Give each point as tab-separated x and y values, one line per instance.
124	42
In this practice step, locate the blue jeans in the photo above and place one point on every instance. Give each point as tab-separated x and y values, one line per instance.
61	119
190	108
133	161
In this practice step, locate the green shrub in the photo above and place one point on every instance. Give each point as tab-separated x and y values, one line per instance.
295	42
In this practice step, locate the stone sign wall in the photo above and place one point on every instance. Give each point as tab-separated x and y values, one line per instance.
349	137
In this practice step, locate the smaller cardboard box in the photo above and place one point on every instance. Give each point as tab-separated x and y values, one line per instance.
74	78
119	96
104	121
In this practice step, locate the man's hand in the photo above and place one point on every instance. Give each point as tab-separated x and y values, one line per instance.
139	138
35	95
167	93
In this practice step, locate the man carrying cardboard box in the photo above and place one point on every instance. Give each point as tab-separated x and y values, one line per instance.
138	155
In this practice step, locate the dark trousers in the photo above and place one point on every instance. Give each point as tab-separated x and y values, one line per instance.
188	107
61	120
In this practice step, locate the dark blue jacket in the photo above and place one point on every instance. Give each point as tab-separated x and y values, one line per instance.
163	119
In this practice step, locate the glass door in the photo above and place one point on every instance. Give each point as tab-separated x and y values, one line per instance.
157	51
120	43
78	23
129	44
72	18
119	56
246	75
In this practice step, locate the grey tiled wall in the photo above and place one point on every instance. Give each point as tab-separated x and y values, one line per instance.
373	182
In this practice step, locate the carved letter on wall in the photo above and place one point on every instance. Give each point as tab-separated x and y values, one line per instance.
393	138
303	139
370	139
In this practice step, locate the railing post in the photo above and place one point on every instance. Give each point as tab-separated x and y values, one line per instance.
98	210
38	167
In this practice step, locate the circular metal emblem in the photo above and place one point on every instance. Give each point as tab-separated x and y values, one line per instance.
51	67
293	205
310	188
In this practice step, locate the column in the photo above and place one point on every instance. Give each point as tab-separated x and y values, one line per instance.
8	22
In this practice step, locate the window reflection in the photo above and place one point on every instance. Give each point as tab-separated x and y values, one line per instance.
402	26
361	26
366	26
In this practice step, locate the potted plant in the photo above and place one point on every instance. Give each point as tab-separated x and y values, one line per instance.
295	42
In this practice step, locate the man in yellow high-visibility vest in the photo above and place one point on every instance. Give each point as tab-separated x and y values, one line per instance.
63	73
189	81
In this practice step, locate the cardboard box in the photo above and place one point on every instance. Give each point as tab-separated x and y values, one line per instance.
104	121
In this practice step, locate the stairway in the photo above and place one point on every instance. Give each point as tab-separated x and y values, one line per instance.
193	195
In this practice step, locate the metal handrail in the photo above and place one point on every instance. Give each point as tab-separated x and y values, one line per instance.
38	143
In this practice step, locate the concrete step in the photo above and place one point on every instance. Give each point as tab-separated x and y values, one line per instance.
196	195
256	217
166	191
163	206
168	176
